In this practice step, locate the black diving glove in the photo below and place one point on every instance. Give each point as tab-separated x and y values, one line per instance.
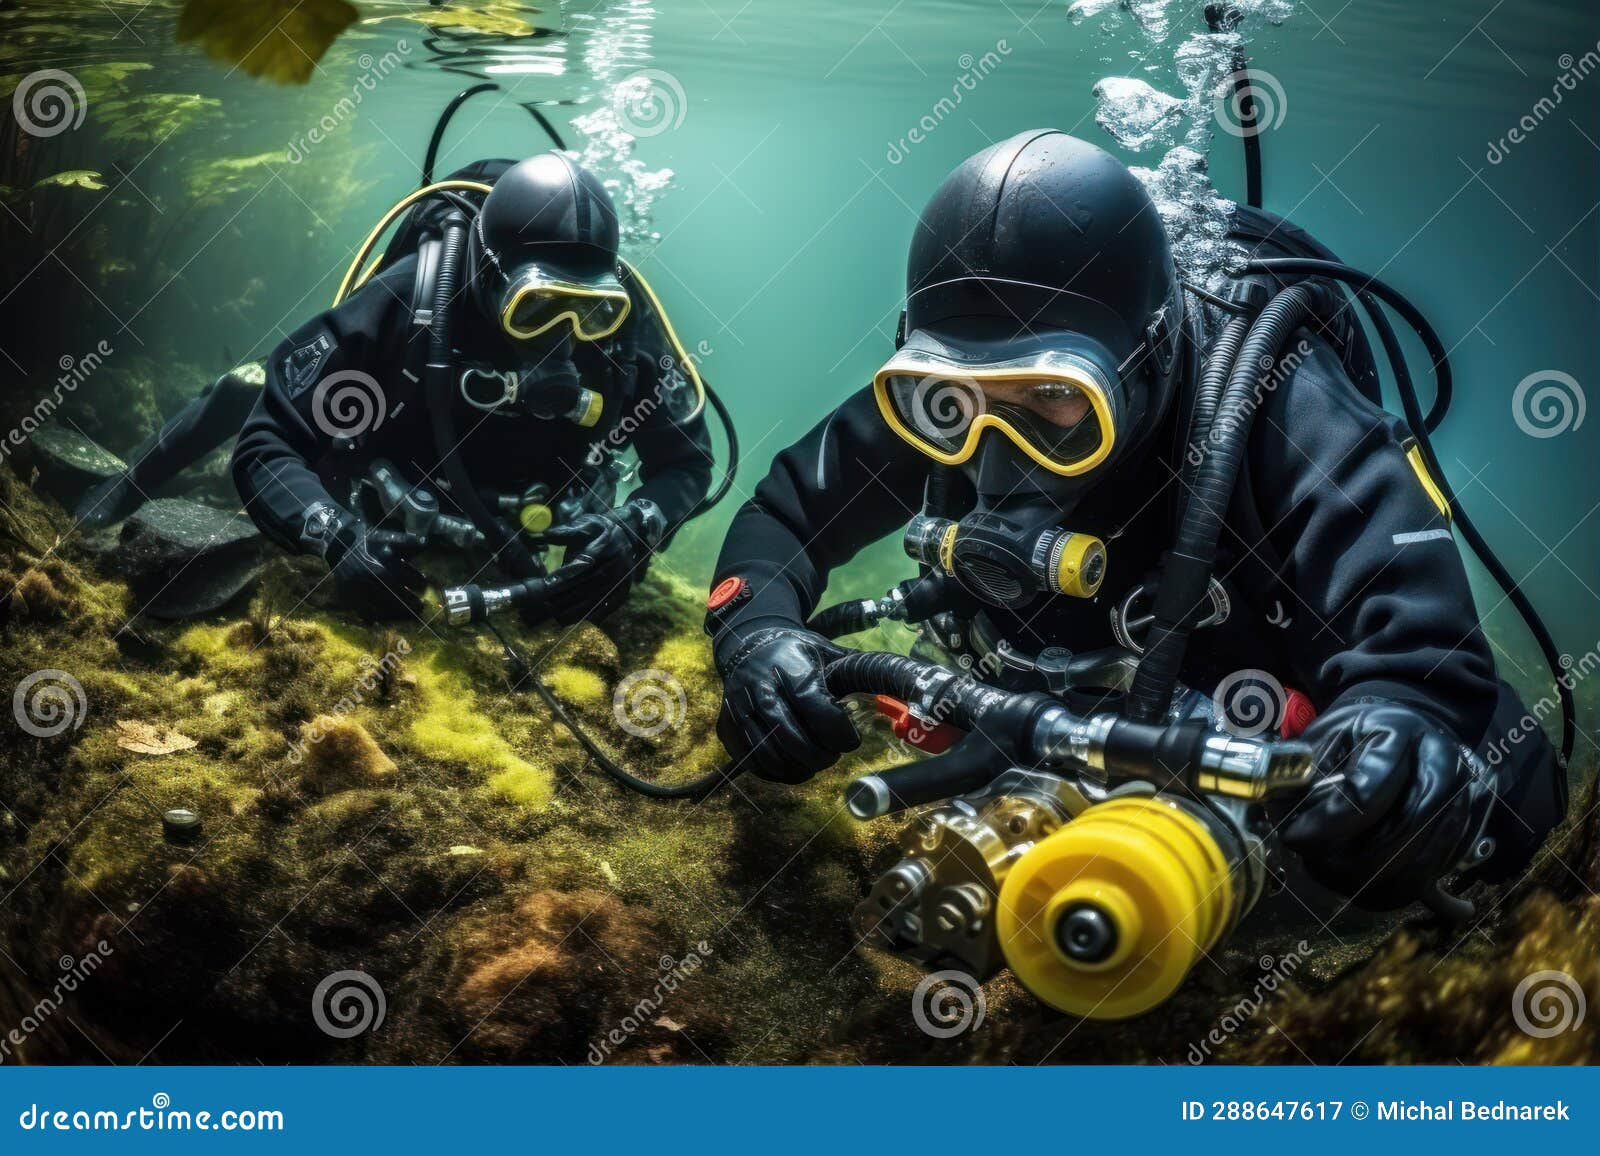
777	715
1397	803
372	577
609	552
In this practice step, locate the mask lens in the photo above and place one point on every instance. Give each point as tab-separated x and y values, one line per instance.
938	409
537	303
1056	418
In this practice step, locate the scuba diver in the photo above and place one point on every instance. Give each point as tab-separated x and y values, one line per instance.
473	389
1081	478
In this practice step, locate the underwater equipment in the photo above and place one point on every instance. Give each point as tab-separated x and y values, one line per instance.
1097	857
550	396
1006	563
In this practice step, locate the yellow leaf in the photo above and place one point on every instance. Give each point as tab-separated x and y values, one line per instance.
281	40
144	738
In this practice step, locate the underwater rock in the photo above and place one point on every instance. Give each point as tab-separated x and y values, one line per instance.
182	559
69	463
339	755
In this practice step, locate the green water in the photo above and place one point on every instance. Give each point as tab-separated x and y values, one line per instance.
779	240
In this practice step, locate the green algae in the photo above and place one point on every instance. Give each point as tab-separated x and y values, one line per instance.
381	798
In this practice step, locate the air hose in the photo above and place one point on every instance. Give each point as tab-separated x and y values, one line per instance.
695	790
454	106
506	547
1364	287
1186	573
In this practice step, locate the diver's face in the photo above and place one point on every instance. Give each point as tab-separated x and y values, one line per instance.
1057	402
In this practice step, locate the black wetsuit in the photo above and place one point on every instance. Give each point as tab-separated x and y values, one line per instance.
286	460
1345	580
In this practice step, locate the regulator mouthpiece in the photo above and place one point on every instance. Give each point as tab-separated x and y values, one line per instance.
1006	564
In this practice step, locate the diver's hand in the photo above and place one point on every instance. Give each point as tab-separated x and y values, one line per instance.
777	714
1395	804
373	577
610	552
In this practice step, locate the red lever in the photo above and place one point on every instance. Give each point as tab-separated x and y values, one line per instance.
933	739
1298	714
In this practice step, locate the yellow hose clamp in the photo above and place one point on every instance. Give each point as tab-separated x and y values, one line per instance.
1078	565
536	517
591	405
1105	918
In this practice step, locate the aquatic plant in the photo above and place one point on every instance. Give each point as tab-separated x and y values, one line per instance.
280	40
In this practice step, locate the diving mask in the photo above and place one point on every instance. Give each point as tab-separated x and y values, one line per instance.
1052	395
538	298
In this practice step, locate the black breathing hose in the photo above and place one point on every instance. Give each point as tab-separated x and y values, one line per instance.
726	484
1208	394
1359	284
509	550
695	790
1186	572
454	106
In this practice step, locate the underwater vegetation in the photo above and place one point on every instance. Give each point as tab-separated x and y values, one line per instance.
382	800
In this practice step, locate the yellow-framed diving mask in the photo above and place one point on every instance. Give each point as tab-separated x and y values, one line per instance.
1053	394
539	298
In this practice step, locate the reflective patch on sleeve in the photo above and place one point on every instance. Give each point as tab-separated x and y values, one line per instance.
1429	486
1422	536
301	366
